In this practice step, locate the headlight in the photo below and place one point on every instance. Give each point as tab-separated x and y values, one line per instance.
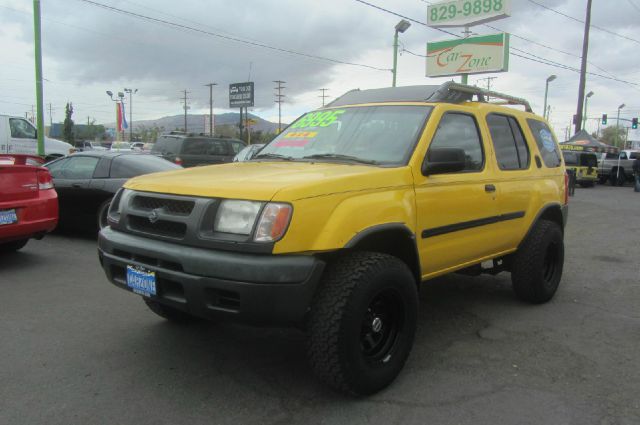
236	216
273	222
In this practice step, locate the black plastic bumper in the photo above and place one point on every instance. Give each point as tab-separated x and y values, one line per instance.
250	288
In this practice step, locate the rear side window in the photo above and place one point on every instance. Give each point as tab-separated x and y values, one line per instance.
165	145
460	131
509	144
570	158
546	142
634	155
126	166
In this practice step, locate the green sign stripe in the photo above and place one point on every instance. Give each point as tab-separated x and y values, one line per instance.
439	45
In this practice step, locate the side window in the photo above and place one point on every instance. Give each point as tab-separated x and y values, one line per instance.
56	167
195	147
21	129
460	131
218	147
623	155
570	158
79	167
508	141
236	147
546	142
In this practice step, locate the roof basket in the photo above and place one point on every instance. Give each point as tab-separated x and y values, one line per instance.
456	93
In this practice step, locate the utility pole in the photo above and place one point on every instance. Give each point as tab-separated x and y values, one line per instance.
279	97
50	117
323	95
488	79
38	60
210	85
184	100
131	93
583	67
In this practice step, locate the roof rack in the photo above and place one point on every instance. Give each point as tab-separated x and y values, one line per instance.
446	89
448	92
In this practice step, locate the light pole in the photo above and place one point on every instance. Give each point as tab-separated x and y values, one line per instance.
586	103
550	78
401	27
618	125
131	93
119	99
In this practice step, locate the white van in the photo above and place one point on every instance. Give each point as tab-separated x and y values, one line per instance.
17	135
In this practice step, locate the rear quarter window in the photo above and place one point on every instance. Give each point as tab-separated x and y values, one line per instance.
546	141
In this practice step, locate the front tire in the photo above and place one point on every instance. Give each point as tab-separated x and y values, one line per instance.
537	265
103	210
362	323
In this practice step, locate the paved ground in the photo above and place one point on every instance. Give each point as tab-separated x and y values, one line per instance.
76	350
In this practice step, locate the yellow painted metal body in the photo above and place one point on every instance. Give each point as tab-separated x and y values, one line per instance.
333	202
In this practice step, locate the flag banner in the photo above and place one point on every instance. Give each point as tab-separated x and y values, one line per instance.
125	125
119	116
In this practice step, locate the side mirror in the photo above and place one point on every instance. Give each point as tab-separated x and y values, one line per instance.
444	160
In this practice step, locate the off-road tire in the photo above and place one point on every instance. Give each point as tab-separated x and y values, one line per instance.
537	265
103	210
13	245
339	348
169	313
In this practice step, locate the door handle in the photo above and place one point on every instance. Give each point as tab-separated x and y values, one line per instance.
76	185
489	188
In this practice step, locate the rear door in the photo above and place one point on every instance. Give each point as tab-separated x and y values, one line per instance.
515	182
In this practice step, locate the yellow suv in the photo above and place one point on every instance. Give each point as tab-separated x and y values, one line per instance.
334	225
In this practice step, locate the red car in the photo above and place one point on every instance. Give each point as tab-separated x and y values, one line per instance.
28	201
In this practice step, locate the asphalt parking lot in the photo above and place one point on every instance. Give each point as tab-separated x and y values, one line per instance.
76	350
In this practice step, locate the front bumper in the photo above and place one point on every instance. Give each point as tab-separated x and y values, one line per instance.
251	288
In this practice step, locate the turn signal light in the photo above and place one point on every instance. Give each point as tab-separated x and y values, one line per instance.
273	222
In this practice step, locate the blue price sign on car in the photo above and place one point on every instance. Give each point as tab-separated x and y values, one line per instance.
8	217
460	13
141	280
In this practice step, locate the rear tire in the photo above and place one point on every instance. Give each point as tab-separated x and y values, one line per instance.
103	210
13	245
362	323
537	265
169	313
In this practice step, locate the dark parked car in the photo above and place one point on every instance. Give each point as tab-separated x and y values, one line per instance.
87	181
191	151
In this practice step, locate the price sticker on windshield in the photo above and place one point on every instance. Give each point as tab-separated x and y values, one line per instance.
318	119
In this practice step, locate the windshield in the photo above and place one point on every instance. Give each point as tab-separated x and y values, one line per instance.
379	135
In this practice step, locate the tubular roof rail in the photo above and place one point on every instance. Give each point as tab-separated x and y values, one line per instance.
448	92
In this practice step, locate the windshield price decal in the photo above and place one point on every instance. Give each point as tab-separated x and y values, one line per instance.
301	135
318	119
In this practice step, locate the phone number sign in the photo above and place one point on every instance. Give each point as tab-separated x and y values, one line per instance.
241	95
460	13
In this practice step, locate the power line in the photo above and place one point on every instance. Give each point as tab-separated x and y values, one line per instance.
582	22
176	25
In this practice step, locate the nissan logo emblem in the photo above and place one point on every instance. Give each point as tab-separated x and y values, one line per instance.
153	216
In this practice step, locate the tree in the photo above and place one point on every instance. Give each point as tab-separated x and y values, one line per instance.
608	135
67	131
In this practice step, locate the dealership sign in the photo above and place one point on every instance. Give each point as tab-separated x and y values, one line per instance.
241	95
472	55
460	13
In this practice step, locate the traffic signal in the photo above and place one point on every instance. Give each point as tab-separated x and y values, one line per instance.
604	119
634	123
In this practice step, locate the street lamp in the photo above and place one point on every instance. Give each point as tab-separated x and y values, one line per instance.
618	125
546	92
131	93
401	27
586	103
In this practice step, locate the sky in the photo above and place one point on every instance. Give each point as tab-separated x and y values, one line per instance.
170	46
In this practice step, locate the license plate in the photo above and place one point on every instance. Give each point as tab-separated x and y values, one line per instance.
141	280
8	217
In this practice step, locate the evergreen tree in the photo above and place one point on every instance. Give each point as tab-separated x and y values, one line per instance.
67	131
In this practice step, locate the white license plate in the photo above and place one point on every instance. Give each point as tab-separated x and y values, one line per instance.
141	280
8	217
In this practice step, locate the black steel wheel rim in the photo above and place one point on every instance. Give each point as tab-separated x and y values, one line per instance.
381	326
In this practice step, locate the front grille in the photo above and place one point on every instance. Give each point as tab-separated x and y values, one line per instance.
172	206
161	227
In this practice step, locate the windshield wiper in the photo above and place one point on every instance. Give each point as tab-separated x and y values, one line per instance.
340	156
273	155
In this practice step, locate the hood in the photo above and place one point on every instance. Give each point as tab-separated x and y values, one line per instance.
284	181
